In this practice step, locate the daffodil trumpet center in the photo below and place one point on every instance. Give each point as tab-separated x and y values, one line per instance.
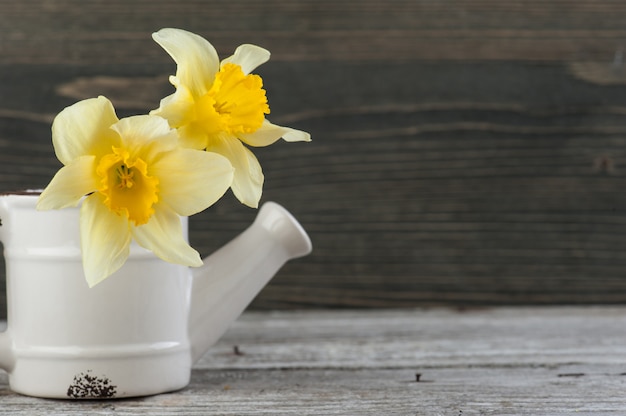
127	187
235	103
125	176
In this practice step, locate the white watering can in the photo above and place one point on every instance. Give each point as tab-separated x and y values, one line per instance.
136	333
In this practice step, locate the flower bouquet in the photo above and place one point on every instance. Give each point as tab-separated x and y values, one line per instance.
136	176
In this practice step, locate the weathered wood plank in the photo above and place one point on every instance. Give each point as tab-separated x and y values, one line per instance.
512	361
75	33
547	337
599	391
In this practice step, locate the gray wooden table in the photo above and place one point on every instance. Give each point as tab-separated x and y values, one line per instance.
503	361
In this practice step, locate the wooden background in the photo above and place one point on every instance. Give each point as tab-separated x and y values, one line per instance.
465	152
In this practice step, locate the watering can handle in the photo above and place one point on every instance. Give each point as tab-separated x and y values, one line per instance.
7	358
6	353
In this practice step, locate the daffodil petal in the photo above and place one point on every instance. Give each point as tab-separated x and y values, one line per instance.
178	108
196	58
83	128
192	180
249	57
105	240
72	182
163	235
268	133
193	137
248	179
294	135
146	135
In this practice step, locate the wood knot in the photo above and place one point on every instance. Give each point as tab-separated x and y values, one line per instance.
604	165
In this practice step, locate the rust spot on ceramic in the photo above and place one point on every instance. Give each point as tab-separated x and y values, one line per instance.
88	386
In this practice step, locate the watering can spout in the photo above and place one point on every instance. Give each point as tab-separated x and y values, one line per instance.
232	276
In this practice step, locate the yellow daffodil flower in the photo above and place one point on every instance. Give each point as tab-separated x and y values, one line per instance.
219	106
134	181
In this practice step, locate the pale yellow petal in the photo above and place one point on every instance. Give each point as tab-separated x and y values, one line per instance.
163	235
83	129
249	57
248	180
70	184
196	58
105	240
146	136
294	135
268	133
192	136
178	108
192	180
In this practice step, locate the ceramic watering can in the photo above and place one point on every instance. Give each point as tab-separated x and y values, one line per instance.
138	332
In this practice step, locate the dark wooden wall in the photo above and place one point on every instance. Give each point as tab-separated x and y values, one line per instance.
465	152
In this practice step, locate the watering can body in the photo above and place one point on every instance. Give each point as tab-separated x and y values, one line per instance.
136	333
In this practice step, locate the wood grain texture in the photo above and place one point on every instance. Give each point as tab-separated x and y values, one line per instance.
503	361
463	152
